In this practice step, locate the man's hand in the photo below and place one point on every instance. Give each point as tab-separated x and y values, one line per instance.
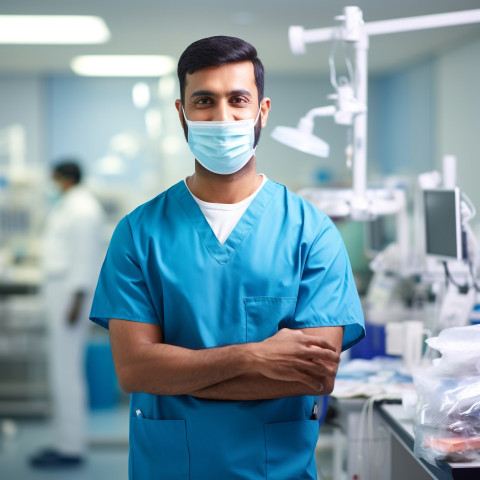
292	355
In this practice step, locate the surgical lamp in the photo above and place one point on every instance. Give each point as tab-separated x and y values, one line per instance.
302	137
350	106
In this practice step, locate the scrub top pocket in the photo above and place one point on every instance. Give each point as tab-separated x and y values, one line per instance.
267	315
158	449
290	450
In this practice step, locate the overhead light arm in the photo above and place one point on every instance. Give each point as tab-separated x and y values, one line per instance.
353	29
299	37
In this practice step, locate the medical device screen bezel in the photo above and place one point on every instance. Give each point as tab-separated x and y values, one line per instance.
452	223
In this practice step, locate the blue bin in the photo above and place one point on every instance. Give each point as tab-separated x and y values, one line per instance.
373	345
103	388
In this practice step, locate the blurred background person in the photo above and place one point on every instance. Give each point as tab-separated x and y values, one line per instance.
72	255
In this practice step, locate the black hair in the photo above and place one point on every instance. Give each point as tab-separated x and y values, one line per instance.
216	51
68	169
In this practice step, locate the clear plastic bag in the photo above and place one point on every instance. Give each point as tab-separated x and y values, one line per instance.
447	422
460	349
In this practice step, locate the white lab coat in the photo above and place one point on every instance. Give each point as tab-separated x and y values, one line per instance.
73	251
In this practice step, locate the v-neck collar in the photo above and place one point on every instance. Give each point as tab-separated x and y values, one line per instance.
223	253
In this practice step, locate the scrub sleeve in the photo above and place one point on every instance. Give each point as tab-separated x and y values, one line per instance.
327	294
121	291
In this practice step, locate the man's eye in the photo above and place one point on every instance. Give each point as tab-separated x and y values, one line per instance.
202	101
239	100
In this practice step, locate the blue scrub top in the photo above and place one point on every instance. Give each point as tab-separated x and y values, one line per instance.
284	265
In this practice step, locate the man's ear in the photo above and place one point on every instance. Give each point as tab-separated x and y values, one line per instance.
178	106
265	108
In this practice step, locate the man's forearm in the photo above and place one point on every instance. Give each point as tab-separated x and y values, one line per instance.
145	364
257	387
162	369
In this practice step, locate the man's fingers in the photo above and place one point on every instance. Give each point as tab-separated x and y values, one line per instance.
292	355
318	342
317	354
322	369
313	370
304	338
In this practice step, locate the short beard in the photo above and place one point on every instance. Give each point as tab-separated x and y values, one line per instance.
258	131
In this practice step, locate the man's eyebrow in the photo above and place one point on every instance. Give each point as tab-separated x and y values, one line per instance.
240	92
209	93
199	93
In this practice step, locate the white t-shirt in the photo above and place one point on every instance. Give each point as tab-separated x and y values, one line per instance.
222	217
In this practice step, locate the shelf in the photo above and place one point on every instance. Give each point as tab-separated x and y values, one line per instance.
22	389
25	408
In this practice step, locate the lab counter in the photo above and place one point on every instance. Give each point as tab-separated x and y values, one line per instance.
403	463
384	449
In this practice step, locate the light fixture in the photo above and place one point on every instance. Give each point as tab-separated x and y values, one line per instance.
141	95
302	137
112	165
123	65
52	29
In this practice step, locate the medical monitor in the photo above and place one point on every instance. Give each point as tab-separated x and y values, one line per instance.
378	234
443	228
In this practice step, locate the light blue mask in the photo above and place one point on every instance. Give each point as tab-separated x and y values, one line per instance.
222	147
54	192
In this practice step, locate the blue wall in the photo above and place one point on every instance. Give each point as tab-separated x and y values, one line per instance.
22	101
83	114
402	120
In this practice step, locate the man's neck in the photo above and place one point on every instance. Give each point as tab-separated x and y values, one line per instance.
233	188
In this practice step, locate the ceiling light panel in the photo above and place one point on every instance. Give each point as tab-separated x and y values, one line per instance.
123	65
52	29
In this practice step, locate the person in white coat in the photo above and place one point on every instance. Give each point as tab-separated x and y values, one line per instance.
74	246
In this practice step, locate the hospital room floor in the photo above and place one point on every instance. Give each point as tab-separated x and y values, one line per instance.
107	455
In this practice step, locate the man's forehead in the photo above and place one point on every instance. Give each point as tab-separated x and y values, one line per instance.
234	76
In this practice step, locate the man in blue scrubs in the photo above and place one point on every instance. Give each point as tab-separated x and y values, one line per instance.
228	298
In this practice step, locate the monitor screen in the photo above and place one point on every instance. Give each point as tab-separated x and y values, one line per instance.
378	234
443	234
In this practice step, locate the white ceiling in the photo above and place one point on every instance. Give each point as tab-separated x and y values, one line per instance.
167	27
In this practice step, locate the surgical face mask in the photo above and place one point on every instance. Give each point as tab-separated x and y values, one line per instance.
222	147
54	192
